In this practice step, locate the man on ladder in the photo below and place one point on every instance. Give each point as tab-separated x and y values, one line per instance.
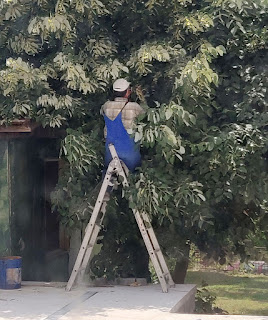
121	154
119	116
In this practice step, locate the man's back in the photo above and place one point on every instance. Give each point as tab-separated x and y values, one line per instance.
131	110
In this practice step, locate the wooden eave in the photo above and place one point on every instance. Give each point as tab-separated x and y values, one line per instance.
24	128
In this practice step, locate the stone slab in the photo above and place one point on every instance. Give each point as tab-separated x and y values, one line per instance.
36	302
42	301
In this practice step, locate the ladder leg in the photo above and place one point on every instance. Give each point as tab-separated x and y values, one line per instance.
90	228
158	250
88	252
151	251
148	235
118	167
92	242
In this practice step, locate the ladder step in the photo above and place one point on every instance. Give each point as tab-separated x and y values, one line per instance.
148	228
155	251
167	274
81	269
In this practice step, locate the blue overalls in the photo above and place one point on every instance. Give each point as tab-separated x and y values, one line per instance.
127	150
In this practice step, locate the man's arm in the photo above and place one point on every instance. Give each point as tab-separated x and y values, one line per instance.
138	109
102	113
102	109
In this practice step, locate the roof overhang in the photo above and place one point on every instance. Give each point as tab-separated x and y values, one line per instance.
23	128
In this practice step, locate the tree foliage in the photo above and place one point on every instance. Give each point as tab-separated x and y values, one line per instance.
199	70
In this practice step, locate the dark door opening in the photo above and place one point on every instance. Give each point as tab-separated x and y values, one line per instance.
51	218
55	239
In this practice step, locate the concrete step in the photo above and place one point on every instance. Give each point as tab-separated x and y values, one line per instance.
42	301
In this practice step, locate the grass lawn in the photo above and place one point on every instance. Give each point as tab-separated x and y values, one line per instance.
244	294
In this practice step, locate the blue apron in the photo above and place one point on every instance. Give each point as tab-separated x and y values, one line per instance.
127	150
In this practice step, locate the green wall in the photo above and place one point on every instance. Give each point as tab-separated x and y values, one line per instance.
4	201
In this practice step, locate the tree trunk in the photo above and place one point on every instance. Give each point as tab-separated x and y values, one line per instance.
181	266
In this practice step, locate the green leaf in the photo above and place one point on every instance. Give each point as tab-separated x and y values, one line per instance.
201	196
194	75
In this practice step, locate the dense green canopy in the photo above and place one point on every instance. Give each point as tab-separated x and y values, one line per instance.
199	68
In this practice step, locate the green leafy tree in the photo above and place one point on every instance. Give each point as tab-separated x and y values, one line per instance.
197	67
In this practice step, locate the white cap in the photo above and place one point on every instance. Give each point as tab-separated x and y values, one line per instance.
120	85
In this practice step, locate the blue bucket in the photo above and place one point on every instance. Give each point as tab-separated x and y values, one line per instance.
10	272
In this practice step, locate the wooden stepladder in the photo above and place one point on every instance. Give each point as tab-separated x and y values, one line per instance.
92	230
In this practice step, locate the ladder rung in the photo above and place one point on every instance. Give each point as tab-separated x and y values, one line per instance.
81	269
155	251
148	228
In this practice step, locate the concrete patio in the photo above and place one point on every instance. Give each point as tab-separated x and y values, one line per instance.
35	301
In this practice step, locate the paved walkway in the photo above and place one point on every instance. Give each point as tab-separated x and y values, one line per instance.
112	303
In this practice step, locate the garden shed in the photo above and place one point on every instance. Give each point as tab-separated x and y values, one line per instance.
29	170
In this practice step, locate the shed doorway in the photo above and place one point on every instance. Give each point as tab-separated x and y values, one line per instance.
56	241
51	219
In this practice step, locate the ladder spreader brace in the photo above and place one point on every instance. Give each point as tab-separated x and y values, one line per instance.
116	167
